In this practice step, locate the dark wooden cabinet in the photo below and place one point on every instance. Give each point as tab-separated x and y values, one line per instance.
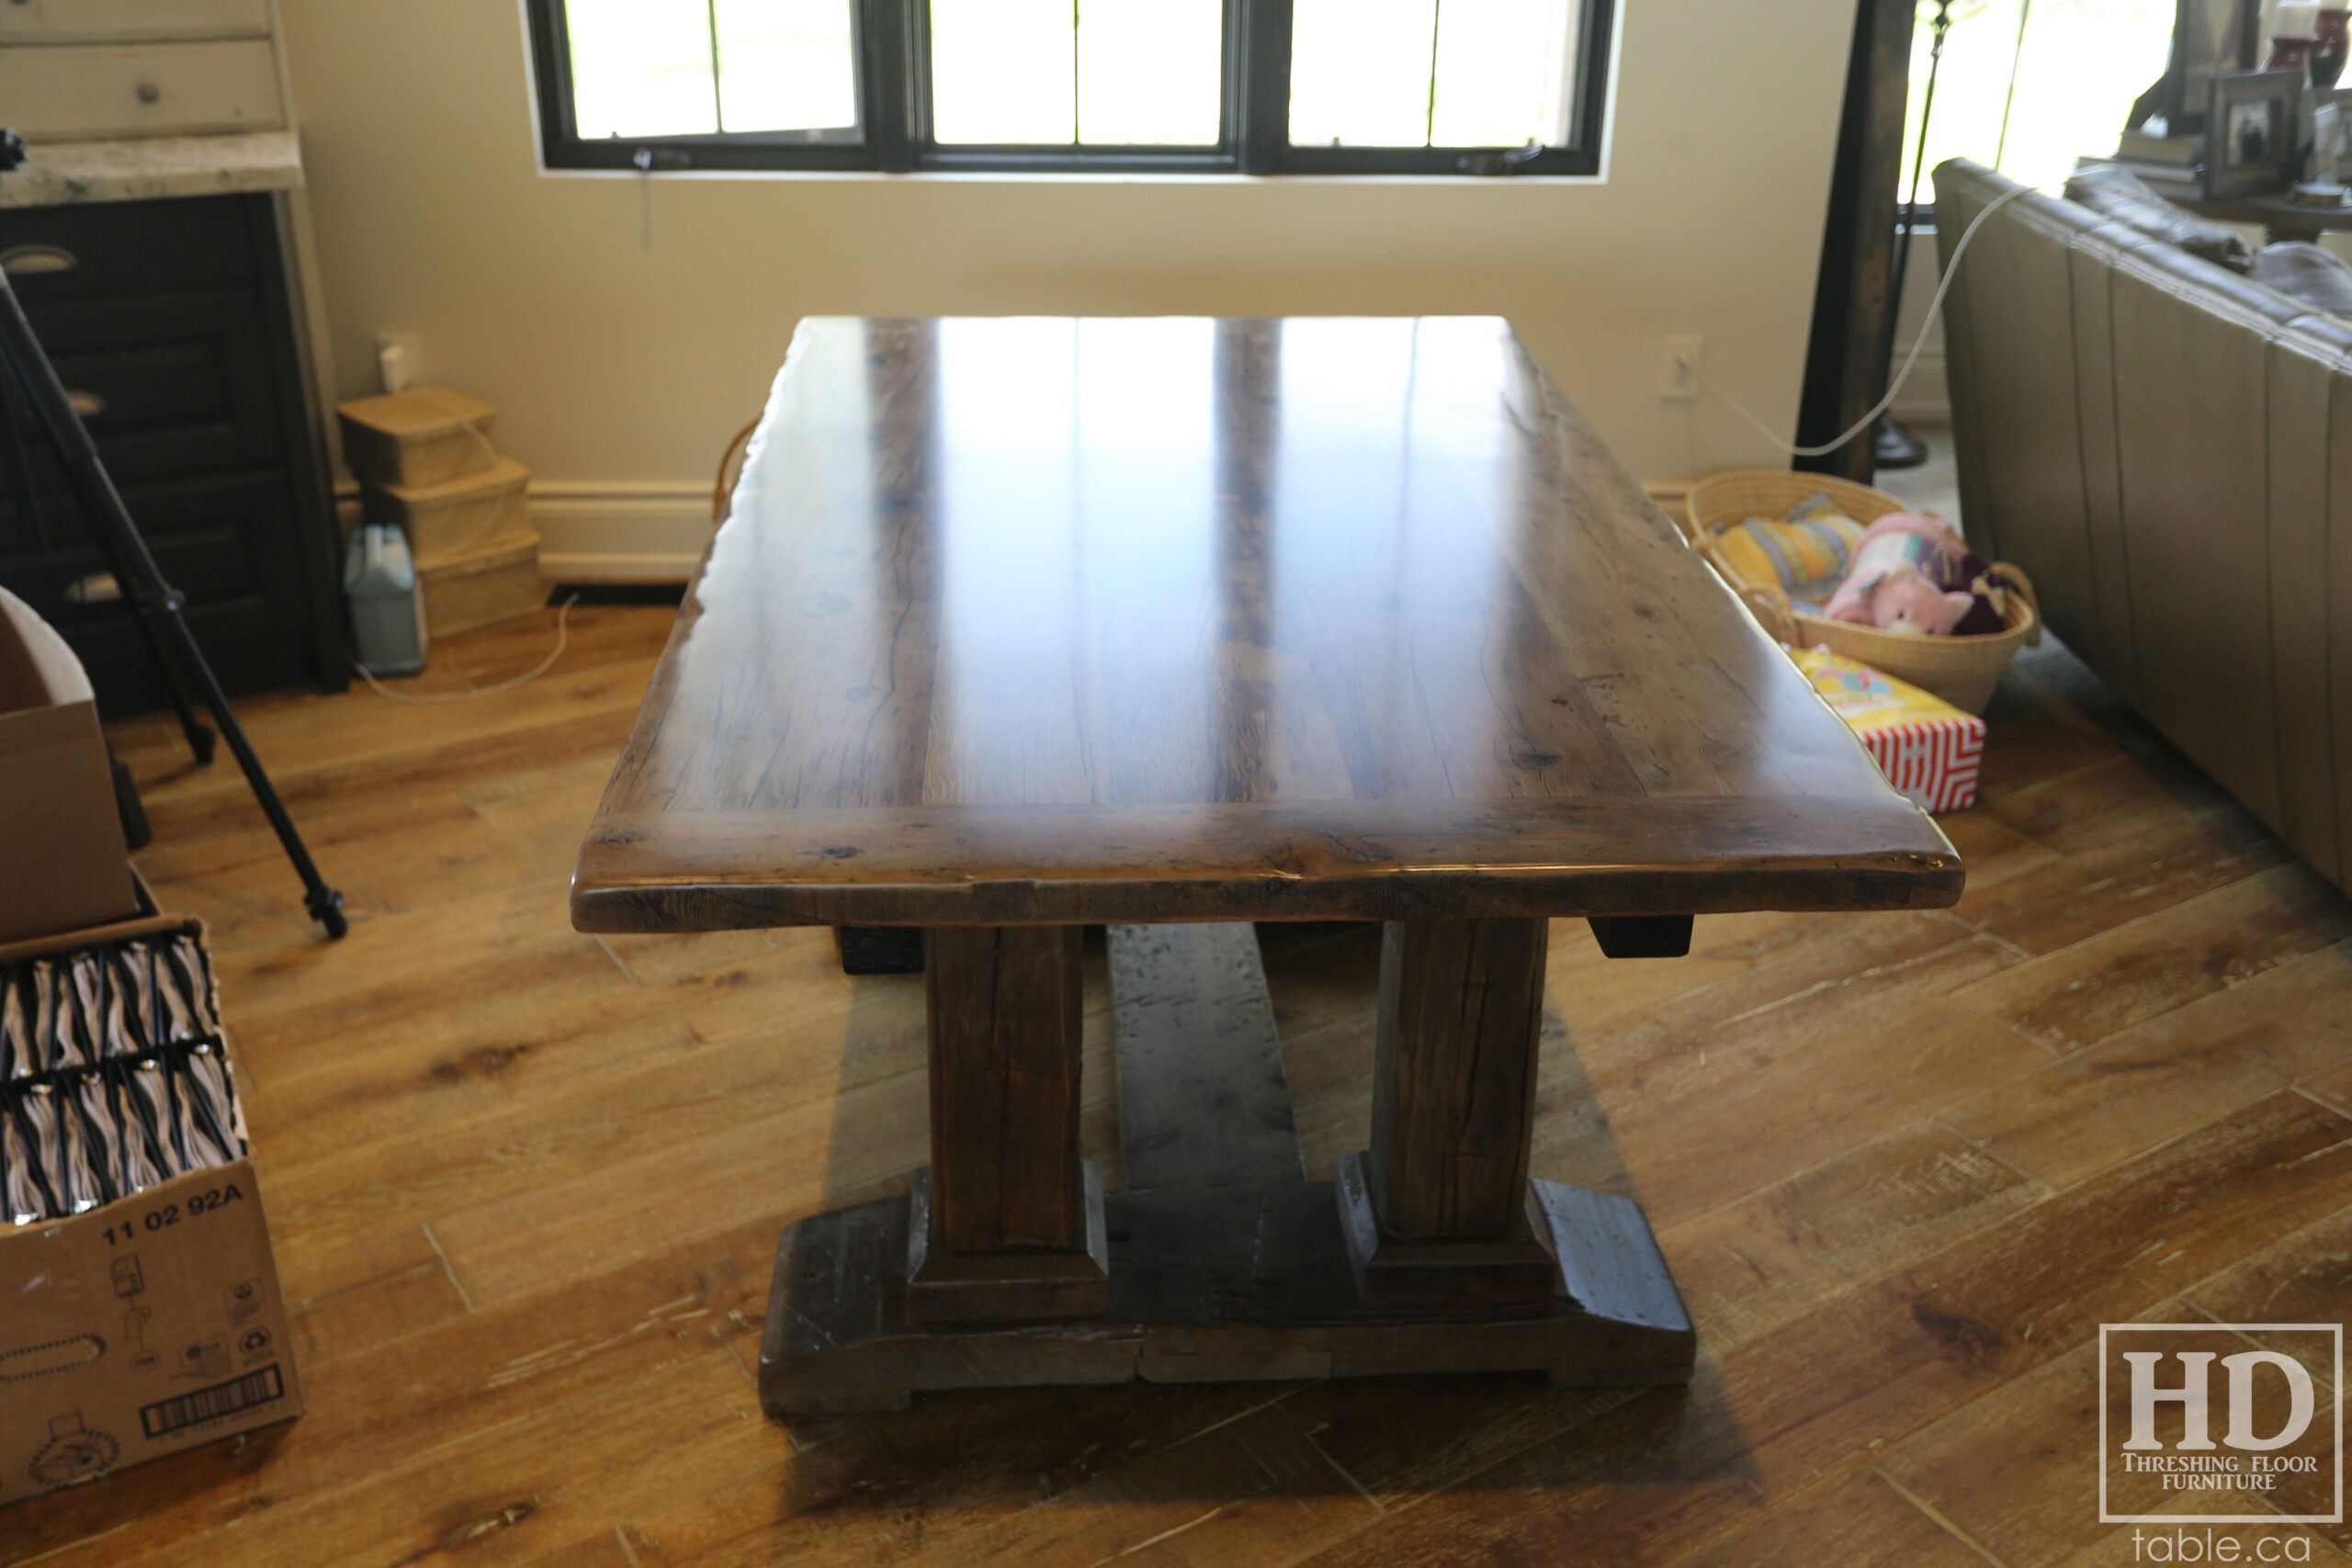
173	324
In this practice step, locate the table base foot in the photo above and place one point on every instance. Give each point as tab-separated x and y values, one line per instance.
1212	1285
1443	1274
948	1287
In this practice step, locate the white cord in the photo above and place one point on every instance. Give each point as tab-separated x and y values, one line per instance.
563	634
1934	305
498	507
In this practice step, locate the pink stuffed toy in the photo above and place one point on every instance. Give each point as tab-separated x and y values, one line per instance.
1905	603
1897	583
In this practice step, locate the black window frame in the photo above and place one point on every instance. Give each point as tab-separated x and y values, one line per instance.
890	44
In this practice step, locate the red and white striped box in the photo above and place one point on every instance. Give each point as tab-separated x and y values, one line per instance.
1928	749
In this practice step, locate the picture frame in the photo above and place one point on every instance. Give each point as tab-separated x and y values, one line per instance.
2324	135
2340	171
2209	39
2252	133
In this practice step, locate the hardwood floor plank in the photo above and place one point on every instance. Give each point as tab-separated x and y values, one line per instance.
2113	801
2031	1500
1992	852
2080	995
1736	964
1317	983
1252	1491
2098	889
483	1492
2136	1089
1852	1521
2334	1086
2031	744
2303	1278
1618	1478
1747	1269
869	1490
1829	1389
389	1305
371	1414
605	1550
1701	1122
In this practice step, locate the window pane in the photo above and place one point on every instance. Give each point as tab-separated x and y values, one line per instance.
1150	70
1423	73
785	64
1360	73
2081	64
1001	71
642	67
1503	69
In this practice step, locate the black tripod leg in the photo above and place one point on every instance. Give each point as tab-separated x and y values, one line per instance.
199	734
324	903
109	522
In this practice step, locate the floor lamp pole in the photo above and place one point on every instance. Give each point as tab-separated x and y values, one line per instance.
1896	447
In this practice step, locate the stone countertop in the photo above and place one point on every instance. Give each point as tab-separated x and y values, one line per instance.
58	173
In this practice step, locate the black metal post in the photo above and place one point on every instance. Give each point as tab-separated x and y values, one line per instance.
1897	448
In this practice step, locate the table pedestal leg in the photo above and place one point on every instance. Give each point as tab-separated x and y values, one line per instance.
1007	1223
1438	1212
1240	1269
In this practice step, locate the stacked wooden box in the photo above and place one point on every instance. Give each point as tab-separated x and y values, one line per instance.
424	461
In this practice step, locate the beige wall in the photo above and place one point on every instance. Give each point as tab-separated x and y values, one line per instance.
620	362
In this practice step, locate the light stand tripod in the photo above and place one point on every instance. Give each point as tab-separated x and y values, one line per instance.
156	605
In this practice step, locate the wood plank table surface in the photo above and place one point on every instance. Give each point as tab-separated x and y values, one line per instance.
1017	625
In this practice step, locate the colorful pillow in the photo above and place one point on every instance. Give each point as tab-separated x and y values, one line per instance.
1810	547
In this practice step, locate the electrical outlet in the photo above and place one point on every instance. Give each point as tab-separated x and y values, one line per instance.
399	357
1678	380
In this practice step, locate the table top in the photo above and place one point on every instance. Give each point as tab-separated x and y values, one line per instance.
1126	619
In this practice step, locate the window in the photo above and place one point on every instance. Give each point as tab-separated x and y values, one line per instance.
1261	86
2029	85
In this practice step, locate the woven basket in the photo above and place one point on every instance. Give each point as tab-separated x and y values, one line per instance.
1962	671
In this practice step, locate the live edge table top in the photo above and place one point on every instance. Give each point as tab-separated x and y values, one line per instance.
1042	620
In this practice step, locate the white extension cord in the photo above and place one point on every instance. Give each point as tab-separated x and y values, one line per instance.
562	636
1936	305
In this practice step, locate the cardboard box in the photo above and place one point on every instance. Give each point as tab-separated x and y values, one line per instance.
425	435
144	1326
63	863
445	520
491	583
139	1329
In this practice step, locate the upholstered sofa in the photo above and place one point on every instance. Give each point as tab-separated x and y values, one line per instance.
2166	446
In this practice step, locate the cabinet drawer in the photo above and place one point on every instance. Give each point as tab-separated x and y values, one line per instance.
168	387
127	247
227	543
80	92
74	21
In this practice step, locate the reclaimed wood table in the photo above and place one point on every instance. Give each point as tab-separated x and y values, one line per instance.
1020	625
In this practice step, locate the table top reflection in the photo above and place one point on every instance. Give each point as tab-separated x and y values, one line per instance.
1167	618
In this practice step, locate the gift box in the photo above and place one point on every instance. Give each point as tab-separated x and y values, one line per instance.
1928	749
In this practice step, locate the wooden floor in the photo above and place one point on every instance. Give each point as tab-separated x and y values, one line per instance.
525	1186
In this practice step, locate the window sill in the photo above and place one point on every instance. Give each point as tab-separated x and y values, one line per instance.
1078	177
